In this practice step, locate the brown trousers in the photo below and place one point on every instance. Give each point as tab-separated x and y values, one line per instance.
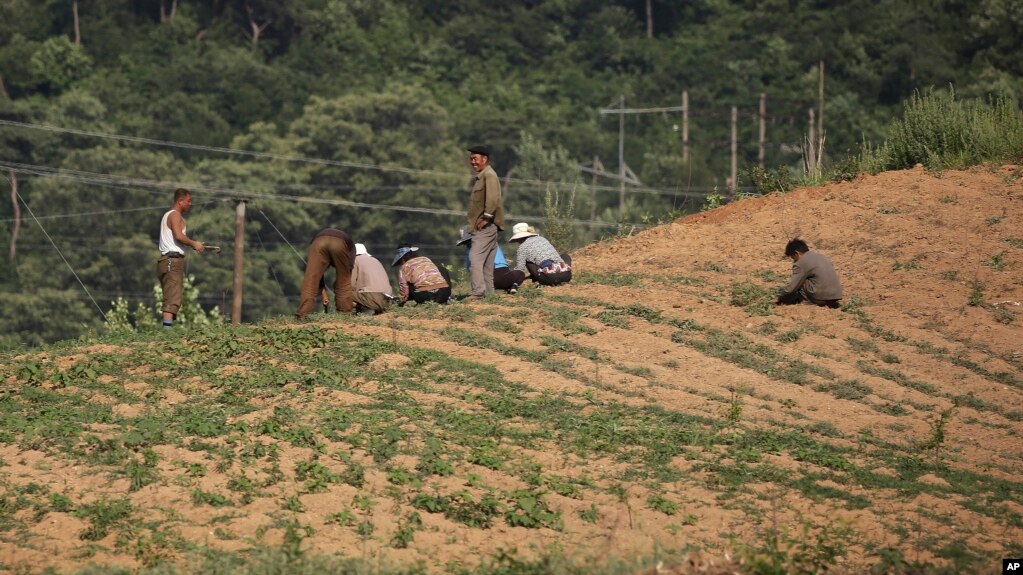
324	252
171	272
373	300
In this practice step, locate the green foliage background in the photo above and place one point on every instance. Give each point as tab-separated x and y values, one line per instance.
385	96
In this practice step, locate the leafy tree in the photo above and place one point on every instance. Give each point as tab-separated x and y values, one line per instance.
58	63
46	315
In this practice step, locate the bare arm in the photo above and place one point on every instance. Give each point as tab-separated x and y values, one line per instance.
177	227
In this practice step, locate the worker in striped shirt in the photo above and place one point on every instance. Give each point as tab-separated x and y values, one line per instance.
419	279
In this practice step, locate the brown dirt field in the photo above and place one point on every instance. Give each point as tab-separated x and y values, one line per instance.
914	251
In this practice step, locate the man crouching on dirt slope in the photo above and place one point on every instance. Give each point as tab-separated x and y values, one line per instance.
814	280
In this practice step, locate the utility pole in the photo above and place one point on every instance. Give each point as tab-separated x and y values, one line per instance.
597	165
621	157
685	126
820	99
811	151
239	259
762	123
625	175
13	179
734	183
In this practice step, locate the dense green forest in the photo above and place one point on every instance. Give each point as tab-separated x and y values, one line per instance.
356	114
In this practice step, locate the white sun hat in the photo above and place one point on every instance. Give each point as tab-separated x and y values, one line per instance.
521	231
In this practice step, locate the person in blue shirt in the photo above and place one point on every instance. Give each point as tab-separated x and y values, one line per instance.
505	278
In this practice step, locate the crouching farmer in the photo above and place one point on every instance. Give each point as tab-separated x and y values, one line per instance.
538	258
814	279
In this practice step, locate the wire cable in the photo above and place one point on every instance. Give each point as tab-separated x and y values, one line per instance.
285	157
273	269
67	263
282	237
227	193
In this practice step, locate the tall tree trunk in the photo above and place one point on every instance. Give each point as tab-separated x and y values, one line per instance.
3	89
168	16
649	19
78	27
256	27
13	179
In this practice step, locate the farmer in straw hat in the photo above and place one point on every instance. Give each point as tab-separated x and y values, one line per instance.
538	257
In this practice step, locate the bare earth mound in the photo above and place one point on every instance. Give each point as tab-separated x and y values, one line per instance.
653	408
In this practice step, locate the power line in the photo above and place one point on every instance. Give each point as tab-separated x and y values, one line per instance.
96	213
290	158
227	193
68	264
299	256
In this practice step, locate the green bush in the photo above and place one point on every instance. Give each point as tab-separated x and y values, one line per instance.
767	181
940	132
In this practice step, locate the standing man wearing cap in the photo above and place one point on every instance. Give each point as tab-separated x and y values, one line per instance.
329	248
170	268
486	220
370	283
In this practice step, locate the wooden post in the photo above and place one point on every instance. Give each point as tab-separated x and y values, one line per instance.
593	193
621	158
811	147
239	260
763	129
17	214
820	99
685	126
734	182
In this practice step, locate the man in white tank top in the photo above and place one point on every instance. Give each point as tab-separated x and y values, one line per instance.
170	268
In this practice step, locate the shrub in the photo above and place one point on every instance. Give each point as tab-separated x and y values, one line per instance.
939	131
766	181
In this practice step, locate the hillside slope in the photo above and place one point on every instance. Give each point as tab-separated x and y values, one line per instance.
652	408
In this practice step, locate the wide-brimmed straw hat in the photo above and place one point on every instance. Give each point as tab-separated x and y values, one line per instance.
521	231
360	250
402	252
466	237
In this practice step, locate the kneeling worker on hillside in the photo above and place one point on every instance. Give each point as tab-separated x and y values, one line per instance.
329	248
814	280
419	279
537	257
370	283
